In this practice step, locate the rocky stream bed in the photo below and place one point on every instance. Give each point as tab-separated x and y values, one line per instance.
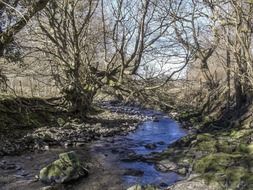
118	148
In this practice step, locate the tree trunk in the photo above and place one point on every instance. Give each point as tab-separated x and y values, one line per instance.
79	98
228	79
243	94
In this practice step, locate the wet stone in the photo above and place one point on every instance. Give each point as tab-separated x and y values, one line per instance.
165	166
163	185
182	171
156	119
23	173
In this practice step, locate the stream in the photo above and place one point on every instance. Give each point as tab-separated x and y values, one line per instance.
129	153
120	161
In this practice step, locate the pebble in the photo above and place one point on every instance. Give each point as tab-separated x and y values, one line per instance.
46	147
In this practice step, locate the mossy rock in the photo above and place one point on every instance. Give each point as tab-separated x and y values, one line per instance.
60	121
215	162
65	169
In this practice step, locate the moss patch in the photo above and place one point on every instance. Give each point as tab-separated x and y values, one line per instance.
221	157
215	162
65	169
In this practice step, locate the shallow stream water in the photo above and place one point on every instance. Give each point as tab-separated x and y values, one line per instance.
128	153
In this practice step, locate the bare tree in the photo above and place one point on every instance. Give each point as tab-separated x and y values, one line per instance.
196	31
140	34
64	37
12	23
235	17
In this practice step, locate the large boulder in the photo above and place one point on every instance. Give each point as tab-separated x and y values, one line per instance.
65	169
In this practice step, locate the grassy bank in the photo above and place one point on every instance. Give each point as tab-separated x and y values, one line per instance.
221	155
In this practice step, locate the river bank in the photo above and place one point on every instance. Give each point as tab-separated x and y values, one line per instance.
216	156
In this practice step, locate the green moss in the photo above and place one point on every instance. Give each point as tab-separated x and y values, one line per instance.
237	134
242	148
69	158
250	149
61	121
224	146
53	170
206	142
207	119
209	146
234	176
66	168
204	137
193	120
215	162
224	169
